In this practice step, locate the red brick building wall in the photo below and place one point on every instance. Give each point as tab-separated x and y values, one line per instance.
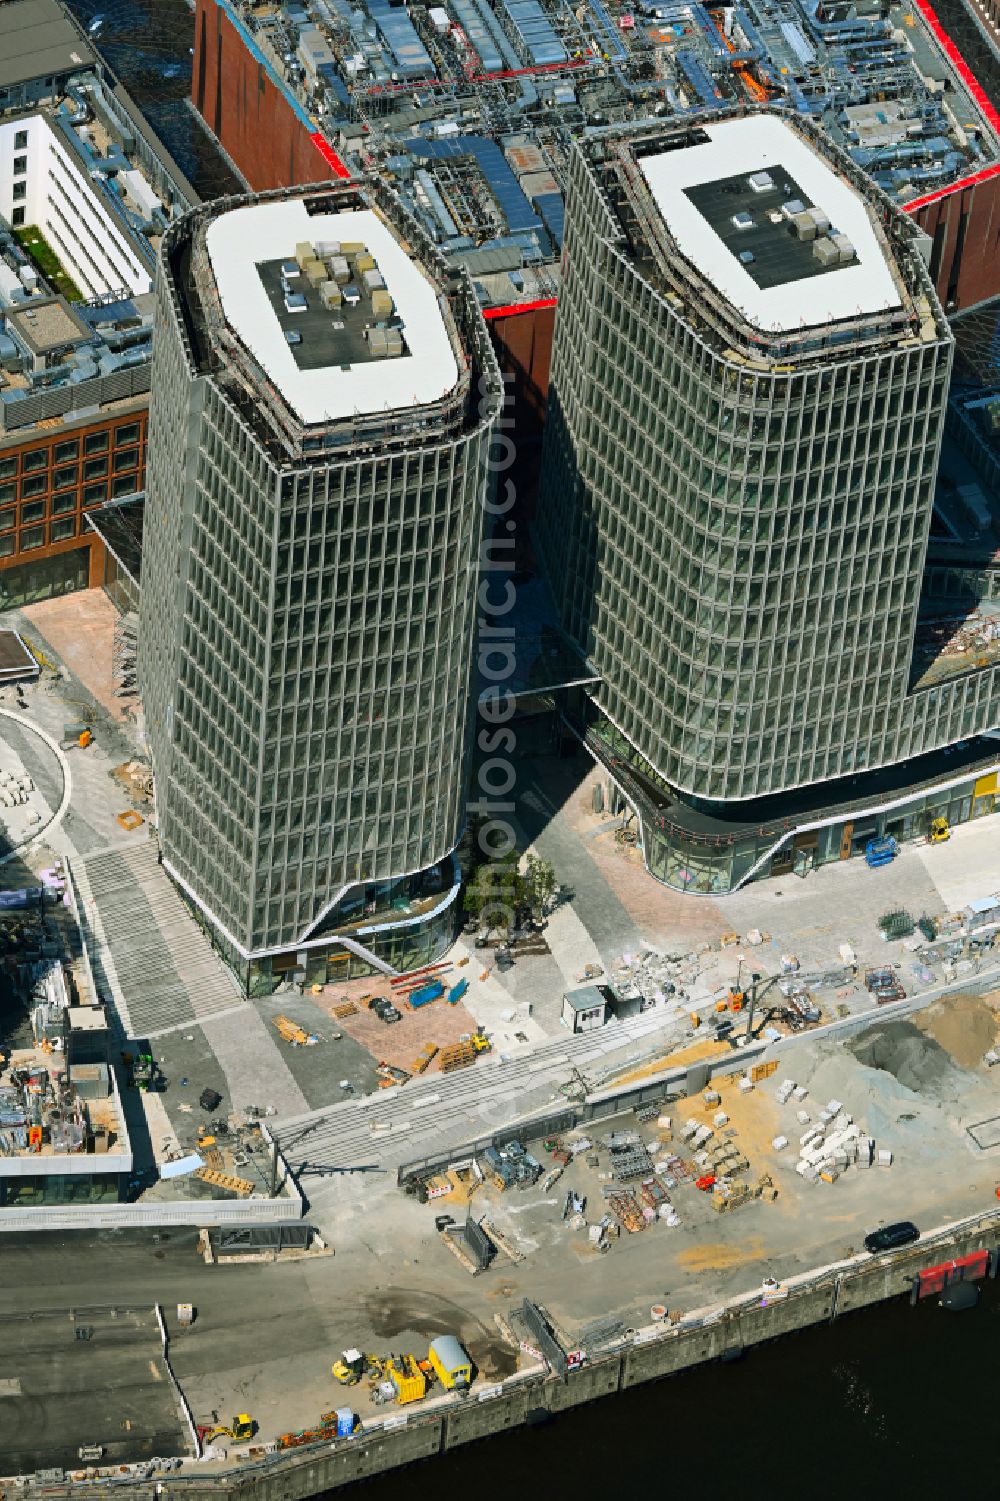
51	476
242	106
965	230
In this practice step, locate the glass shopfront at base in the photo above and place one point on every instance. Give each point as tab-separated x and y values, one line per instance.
697	846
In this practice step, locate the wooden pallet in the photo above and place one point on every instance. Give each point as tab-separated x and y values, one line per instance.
348	1009
456	1055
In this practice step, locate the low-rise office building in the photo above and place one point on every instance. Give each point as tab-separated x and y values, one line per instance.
86	193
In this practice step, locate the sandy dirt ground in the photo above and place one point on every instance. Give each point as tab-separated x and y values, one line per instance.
966	1026
80	629
400	1042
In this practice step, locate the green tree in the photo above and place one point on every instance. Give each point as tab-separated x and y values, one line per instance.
539	886
494	893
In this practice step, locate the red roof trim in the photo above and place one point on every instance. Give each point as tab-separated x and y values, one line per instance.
511	309
328	154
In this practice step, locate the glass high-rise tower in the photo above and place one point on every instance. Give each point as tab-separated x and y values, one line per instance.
749	384
323	396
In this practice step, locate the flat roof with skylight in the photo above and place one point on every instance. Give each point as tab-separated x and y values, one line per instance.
333	308
765	218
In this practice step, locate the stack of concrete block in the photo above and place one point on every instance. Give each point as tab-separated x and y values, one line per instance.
829	1146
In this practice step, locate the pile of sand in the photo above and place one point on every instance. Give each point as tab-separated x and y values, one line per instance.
880	1102
964	1026
915	1060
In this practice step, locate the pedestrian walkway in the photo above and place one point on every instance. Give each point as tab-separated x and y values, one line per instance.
967	867
162	971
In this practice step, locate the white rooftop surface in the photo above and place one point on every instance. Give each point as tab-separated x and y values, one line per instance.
757	144
240	240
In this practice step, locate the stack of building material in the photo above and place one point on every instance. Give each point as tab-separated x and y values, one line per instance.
426	1056
627	1209
238	1186
291	1032
832	1143
727	1196
630	1158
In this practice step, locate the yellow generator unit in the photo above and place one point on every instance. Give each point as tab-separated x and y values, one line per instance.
450	1363
406	1376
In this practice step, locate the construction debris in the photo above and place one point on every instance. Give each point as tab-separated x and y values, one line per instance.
123	653
136	777
509	1166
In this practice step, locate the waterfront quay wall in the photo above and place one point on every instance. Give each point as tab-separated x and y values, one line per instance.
648	1354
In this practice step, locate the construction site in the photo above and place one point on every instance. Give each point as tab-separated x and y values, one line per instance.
775	1081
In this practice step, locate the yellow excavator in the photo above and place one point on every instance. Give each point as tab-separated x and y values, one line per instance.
241	1429
939	831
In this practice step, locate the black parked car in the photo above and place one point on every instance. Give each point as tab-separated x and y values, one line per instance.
891	1236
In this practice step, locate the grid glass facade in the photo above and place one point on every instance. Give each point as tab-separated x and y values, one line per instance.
736	536
306	638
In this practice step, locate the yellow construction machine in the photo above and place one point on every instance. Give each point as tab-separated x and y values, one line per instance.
241	1429
409	1376
353	1366
939	831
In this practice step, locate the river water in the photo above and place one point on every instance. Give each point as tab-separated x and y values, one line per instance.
891	1403
894	1402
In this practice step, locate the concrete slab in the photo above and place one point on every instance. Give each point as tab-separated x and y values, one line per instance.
570	944
93	1376
79	629
255	1071
838	903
